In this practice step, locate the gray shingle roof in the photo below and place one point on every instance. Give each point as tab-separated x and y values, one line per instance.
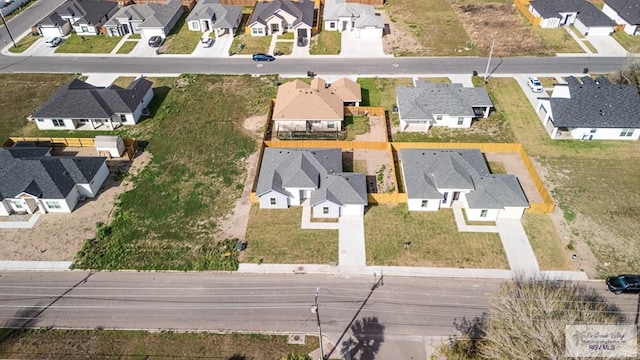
365	14
426	99
319	169
47	177
225	16
587	13
629	10
597	104
152	15
427	170
88	11
302	10
341	189
80	100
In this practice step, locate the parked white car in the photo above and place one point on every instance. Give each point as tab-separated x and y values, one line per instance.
54	41
207	42
534	84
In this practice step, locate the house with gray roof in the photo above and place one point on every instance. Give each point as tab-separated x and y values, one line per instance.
152	19
436	178
85	17
624	12
281	16
430	104
340	15
210	15
32	180
585	16
589	109
291	176
79	105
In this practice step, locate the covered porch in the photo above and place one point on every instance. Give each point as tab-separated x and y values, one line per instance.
95	124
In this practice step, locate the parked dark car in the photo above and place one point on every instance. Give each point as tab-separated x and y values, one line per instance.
156	41
623	283
263	57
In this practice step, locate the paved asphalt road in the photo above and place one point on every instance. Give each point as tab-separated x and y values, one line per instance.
408	310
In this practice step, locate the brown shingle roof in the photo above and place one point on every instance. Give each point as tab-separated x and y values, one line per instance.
348	90
299	101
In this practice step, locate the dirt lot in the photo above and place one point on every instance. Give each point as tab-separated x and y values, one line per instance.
58	237
377	130
514	166
379	175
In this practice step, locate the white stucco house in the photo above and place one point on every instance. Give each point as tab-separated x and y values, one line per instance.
281	16
340	15
152	19
430	104
7	7
291	176
624	12
436	178
85	17
32	180
210	15
586	17
79	105
588	109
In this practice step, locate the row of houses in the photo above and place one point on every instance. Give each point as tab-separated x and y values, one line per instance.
586	17
157	18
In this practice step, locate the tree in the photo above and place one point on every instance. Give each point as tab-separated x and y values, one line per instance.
527	320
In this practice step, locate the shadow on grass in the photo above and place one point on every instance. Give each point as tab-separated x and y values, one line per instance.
366	101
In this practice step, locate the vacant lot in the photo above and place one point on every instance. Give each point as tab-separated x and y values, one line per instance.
435	240
109	344
275	236
170	219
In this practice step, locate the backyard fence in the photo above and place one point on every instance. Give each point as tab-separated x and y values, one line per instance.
523	6
363	110
130	145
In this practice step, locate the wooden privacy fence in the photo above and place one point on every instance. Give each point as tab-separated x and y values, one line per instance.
392	198
363	110
130	145
523	6
344	145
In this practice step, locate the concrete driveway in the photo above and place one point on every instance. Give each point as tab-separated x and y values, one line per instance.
220	48
607	46
353	46
143	49
39	48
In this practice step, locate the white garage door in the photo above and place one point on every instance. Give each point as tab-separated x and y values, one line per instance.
147	33
371	33
50	32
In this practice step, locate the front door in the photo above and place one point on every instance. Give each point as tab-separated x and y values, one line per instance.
275	28
344	25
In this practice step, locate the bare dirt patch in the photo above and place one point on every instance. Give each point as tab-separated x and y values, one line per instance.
514	166
58	237
512	36
379	174
255	125
377	130
398	38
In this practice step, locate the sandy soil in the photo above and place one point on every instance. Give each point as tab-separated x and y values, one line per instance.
377	132
376	160
398	38
58	237
514	165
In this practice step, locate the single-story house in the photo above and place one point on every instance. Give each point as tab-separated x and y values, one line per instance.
435	178
585	16
624	12
78	104
281	16
430	104
313	107
145	19
289	176
210	15
7	7
339	15
32	180
85	17
591	110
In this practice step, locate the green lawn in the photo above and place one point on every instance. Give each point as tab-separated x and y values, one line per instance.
94	44
181	40
546	243
170	219
284	47
629	42
127	47
326	43
23	44
589	45
113	344
381	91
135	37
435	240
247	44
286	36
356	125
557	40
275	236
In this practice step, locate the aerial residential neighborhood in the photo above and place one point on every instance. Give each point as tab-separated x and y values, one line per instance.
319	179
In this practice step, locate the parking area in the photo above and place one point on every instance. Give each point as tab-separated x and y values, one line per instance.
220	47
354	46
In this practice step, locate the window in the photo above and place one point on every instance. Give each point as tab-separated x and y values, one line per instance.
331	125
332	25
460	120
17	204
85	29
272	201
626	132
325	210
438	117
58	122
483	213
425	203
257	31
53	204
123	118
593	131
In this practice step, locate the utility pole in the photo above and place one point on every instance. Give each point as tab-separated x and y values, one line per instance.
315	310
7	27
486	72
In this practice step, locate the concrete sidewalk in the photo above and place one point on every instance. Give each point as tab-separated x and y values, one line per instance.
516	245
351	241
305	222
29	224
35	265
463	227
